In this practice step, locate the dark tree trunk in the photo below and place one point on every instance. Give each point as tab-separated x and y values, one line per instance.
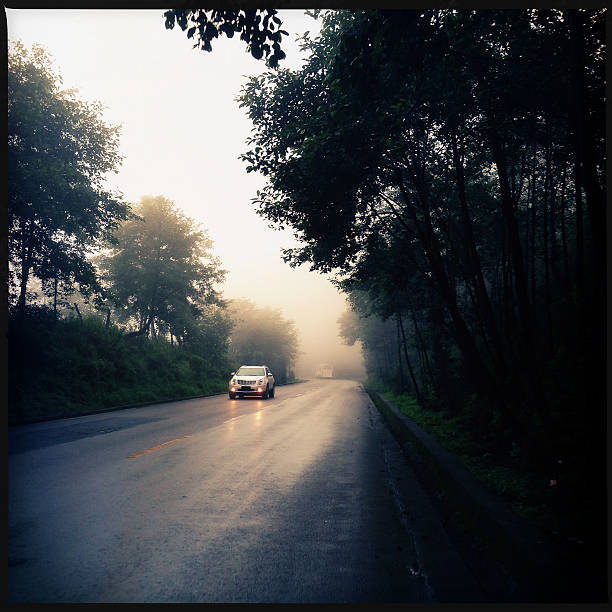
579	233
528	361
547	261
479	373
555	264
507	206
474	267
534	225
412	376
567	281
55	281
506	290
585	141
399	355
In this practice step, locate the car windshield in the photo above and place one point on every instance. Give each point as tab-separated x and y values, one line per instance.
251	372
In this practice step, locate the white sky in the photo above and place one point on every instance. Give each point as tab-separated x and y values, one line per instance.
181	137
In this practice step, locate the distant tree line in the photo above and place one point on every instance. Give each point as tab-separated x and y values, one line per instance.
262	335
144	269
449	167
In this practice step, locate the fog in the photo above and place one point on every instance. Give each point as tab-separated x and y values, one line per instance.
182	133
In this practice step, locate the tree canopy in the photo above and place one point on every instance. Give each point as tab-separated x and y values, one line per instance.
59	153
161	271
262	336
259	29
449	165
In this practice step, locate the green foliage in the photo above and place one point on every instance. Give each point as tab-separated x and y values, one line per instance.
59	152
563	497
495	470
262	336
208	337
379	342
448	166
64	367
161	272
259	29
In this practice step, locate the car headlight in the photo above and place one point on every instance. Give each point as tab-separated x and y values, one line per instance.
260	382
233	381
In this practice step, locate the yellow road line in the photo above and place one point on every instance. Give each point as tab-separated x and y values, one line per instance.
149	450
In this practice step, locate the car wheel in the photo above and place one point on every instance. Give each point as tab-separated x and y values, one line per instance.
266	393
232	396
273	391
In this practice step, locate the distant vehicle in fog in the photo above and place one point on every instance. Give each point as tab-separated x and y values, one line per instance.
324	371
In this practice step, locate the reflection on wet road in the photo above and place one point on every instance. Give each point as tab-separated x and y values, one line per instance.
217	500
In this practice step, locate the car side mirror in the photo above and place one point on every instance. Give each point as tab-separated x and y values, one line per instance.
232	373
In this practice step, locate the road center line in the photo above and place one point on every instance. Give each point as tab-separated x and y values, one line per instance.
153	448
236	418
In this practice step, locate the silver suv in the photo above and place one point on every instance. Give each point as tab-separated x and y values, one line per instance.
252	380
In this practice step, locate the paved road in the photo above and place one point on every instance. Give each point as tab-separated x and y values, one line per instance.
302	498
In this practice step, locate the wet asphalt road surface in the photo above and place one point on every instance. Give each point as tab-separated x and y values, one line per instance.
304	497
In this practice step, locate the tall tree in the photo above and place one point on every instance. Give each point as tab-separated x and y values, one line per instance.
161	271
262	335
419	153
59	153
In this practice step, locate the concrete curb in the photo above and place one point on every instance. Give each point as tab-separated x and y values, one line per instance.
538	572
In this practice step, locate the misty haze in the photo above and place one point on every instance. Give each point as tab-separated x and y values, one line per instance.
306	305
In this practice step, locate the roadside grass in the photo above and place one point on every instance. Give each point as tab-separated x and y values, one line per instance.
566	502
518	488
63	368
60	368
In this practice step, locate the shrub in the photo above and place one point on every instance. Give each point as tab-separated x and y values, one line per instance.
65	367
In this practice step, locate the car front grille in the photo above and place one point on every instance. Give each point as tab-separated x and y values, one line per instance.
246	382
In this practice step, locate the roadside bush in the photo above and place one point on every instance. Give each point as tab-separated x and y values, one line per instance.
496	468
65	367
